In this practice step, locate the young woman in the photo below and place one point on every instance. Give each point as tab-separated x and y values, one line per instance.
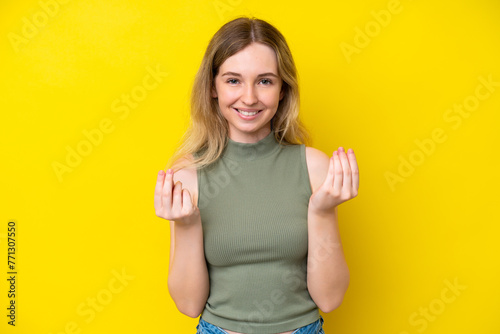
255	244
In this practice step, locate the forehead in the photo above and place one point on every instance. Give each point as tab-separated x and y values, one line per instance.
256	57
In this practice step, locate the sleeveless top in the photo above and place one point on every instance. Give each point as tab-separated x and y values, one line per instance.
253	203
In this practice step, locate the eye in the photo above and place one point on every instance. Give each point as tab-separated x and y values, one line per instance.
232	81
269	82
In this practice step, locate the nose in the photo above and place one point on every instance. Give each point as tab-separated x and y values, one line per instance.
249	96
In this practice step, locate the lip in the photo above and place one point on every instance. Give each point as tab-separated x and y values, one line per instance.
247	118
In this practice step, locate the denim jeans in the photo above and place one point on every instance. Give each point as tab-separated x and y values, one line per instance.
316	327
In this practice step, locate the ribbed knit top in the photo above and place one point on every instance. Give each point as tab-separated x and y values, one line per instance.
253	203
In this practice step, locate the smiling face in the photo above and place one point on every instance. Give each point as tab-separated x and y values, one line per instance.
248	82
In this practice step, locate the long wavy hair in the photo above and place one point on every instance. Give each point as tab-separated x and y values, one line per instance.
206	137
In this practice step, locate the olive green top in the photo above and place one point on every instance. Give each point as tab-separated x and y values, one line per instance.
253	202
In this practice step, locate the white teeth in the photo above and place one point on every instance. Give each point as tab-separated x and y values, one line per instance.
247	113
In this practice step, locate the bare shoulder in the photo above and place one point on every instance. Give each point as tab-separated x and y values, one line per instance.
188	177
317	166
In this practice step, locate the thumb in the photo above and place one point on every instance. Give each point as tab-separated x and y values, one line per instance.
186	198
331	173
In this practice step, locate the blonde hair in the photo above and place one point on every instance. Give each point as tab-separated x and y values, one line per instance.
208	129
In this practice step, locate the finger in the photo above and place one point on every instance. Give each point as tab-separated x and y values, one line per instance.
354	168
166	197
186	200
337	182
346	169
330	176
158	189
177	197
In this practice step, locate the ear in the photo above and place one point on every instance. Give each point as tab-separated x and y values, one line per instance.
214	91
282	93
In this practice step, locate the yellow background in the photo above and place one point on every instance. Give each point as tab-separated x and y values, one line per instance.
403	241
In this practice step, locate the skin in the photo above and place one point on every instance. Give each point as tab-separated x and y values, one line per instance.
248	90
334	179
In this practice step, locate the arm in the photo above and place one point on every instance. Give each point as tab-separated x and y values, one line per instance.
327	271
334	181
188	281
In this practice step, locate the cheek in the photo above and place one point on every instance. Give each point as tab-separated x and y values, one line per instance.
271	98
227	95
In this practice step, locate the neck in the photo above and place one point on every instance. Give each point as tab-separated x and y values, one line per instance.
251	151
247	138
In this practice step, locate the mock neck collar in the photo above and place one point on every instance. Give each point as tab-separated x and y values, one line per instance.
251	151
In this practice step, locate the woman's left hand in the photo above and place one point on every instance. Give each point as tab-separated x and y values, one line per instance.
341	183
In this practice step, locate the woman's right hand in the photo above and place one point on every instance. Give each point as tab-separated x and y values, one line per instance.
172	202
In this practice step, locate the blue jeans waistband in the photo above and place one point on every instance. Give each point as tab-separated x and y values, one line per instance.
316	327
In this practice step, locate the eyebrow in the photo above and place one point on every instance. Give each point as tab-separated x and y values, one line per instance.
260	75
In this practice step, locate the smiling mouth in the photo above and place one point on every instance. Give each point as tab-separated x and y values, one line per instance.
247	113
